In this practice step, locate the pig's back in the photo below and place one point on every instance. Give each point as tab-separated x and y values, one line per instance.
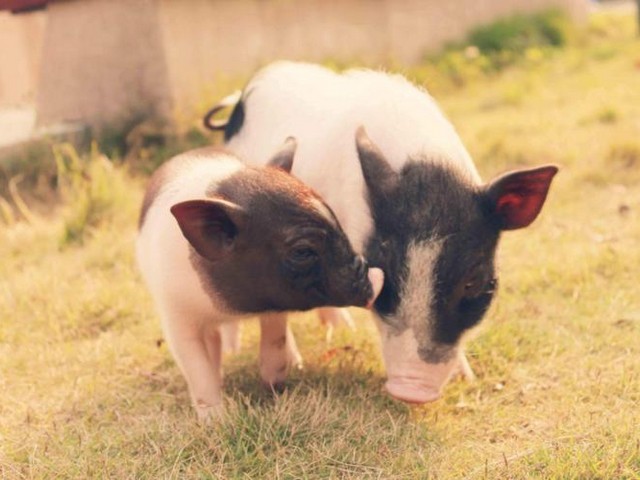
162	252
322	110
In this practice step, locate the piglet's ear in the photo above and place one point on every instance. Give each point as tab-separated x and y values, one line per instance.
378	174
283	158
517	197
211	226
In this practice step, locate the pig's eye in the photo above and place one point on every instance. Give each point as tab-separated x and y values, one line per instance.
476	287
303	256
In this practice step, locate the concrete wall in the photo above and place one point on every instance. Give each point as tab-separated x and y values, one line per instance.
213	40
20	52
102	63
106	60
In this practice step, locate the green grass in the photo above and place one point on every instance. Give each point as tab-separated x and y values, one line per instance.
88	391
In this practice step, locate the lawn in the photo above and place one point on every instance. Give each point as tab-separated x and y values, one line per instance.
89	390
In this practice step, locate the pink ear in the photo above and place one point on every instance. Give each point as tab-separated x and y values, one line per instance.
518	197
210	225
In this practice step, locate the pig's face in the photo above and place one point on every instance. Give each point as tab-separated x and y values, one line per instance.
435	237
264	241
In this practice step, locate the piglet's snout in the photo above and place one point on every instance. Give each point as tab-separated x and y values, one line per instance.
367	284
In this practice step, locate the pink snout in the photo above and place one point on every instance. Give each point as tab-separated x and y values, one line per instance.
420	382
376	277
412	390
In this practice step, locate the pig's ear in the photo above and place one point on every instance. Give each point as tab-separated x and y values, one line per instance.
517	197
378	174
211	226
283	158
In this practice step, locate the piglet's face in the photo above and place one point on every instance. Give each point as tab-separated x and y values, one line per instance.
263	241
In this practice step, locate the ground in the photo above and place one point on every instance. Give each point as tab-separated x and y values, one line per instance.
89	390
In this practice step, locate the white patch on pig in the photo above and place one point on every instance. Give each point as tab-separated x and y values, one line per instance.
323	111
416	310
171	278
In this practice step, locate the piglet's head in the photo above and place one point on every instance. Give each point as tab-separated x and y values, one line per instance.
263	241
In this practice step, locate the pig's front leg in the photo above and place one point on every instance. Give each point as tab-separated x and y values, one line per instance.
198	354
278	350
464	368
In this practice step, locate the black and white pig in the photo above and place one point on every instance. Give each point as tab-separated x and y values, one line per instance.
407	193
220	241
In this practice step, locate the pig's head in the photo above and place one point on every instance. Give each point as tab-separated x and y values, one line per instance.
263	241
435	237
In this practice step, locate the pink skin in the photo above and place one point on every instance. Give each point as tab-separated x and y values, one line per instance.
411	379
376	277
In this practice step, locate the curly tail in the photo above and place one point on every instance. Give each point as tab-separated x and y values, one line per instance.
228	101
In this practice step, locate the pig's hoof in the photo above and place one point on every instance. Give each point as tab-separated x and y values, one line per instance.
276	388
207	413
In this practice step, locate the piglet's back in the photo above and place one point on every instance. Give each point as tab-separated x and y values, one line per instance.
187	176
161	249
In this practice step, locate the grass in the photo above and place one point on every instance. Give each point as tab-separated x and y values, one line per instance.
88	390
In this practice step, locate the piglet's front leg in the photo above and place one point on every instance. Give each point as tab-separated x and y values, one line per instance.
198	353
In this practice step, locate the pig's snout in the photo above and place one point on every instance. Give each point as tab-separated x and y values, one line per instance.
409	377
411	390
360	265
420	382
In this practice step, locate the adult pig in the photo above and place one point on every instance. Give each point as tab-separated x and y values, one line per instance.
407	193
219	241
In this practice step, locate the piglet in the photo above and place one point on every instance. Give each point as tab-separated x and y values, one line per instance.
220	241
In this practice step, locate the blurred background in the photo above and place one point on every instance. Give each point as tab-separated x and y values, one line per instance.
68	64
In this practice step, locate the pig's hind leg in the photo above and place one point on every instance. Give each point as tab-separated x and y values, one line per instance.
278	350
231	337
333	317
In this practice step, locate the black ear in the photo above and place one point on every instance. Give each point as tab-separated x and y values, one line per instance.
517	197
211	226
283	158
380	178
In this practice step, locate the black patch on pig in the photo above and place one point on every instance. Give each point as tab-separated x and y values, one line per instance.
433	202
236	120
267	269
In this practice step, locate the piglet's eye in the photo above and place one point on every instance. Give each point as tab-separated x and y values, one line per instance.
303	256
